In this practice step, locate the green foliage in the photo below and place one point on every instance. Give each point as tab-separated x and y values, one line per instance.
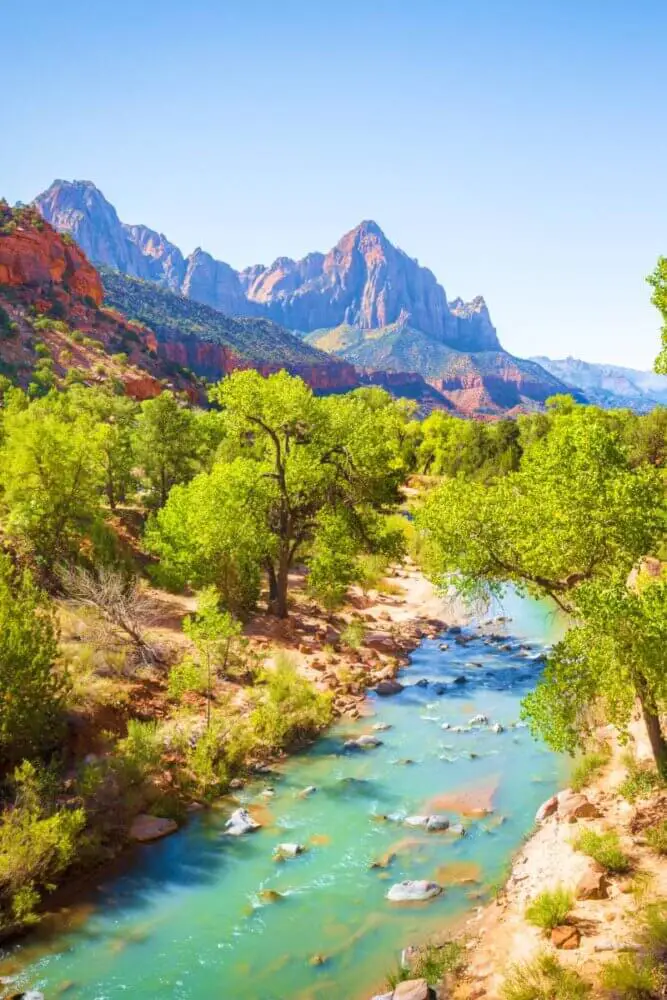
288	709
588	766
658	281
604	848
632	977
641	781
51	478
38	842
32	689
544	978
185	677
656	837
167	445
140	752
433	963
550	909
653	929
353	634
452	446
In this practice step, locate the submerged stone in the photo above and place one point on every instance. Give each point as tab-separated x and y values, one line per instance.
241	822
411	891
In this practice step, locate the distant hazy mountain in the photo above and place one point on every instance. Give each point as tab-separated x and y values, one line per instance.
610	385
364	301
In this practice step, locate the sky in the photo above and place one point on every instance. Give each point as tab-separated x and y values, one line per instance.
515	147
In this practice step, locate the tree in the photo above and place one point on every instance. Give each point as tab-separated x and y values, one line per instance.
32	689
167	445
116	417
51	479
571	522
214	532
214	633
658	281
612	657
317	455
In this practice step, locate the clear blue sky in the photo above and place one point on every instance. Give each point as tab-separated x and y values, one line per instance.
518	148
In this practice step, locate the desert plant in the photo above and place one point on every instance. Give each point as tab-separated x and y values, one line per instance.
353	634
641	782
544	978
632	977
604	848
550	909
656	837
186	676
653	930
287	707
587	766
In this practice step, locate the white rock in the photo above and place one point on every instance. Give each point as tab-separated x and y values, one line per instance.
413	891
435	823
479	720
241	822
497	728
416	820
288	850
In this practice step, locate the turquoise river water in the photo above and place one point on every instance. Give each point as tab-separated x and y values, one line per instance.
188	919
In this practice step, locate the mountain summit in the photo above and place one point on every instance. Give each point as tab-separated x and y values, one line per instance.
364	281
365	301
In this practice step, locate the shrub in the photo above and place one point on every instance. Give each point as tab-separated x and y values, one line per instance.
588	766
641	782
550	908
140	752
544	979
37	843
656	837
288	708
186	677
632	977
33	690
353	634
433	963
603	848
653	933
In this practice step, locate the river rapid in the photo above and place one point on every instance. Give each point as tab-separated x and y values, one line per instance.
195	915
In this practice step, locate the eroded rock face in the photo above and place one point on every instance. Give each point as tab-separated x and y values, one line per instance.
413	989
593	884
40	258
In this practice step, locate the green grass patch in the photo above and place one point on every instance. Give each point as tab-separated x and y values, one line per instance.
604	848
433	963
588	766
550	909
642	780
544	979
632	977
656	837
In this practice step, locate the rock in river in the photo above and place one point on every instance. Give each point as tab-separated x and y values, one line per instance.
386	688
479	720
362	743
145	828
288	850
412	891
241	822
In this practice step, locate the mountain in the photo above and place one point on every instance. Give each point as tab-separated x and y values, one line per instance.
610	386
366	301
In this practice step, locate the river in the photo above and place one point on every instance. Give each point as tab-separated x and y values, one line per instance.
190	918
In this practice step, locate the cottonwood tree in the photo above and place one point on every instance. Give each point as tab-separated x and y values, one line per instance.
570	524
316	455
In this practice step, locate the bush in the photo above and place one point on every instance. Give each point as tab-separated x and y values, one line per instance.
353	634
588	766
37	843
550	908
653	933
140	752
632	977
544	979
33	691
186	677
605	849
641	782
656	837
288	708
433	963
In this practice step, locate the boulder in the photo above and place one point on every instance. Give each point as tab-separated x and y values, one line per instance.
382	642
439	689
497	728
565	937
436	823
241	822
576	807
460	679
547	808
479	720
413	989
455	630
413	891
288	850
457	829
389	687
145	828
422	683
362	743
593	884
381	727
416	821
309	790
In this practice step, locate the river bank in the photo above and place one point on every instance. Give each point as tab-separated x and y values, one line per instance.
604	918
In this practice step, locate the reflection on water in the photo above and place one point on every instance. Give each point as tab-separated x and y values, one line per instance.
201	914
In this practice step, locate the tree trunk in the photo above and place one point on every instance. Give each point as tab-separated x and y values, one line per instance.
654	730
273	584
281	592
